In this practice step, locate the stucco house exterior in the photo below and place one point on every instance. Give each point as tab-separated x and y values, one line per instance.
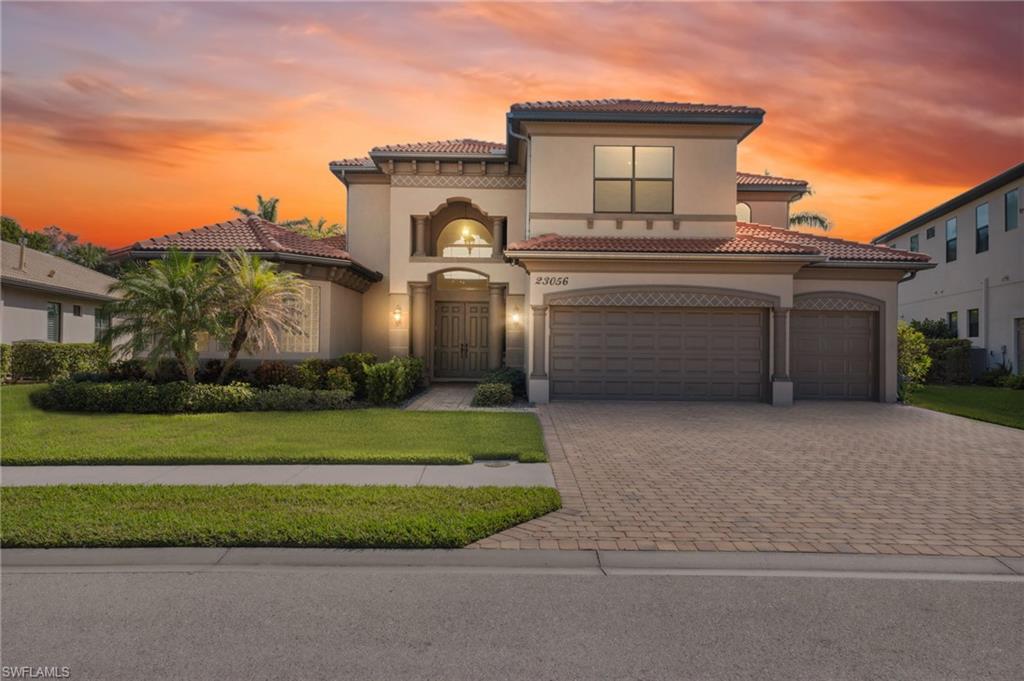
47	298
977	241
598	248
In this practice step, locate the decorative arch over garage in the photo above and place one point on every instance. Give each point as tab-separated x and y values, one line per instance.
662	296
836	301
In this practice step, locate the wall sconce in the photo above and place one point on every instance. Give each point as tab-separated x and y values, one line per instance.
516	317
397	315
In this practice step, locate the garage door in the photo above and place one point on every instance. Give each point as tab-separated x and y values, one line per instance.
654	353
834	355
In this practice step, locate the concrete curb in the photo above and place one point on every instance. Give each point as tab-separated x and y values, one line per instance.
596	562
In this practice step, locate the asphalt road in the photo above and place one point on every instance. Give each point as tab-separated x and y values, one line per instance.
429	624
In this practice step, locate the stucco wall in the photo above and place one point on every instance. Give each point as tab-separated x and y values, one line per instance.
561	180
961	285
774	213
24	316
368	227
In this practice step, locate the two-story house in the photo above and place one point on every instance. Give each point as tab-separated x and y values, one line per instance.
977	286
599	249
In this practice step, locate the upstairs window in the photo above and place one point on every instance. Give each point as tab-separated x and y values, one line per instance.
633	179
915	243
1011	207
981	228
929	233
465	238
951	240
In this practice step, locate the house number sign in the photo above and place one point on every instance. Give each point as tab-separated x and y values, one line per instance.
552	281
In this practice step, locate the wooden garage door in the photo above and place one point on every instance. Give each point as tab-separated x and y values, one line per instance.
834	355
658	353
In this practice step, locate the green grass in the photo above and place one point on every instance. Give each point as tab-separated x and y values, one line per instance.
30	436
995	405
261	515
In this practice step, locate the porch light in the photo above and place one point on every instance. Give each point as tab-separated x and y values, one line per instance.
397	315
515	316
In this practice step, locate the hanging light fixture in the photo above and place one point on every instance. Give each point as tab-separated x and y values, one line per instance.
397	315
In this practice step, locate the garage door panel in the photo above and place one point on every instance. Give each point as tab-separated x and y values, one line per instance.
659	353
834	354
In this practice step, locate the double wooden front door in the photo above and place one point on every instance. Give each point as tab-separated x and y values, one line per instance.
460	340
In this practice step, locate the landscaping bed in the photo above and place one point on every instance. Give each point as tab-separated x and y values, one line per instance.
995	405
31	436
257	515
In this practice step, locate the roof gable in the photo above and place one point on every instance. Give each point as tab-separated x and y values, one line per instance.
45	271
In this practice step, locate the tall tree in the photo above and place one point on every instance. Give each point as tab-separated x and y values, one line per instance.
809	219
266	208
320	229
164	306
259	303
13	232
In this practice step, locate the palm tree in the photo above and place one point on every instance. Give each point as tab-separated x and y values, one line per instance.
88	255
809	219
319	229
267	210
163	307
259	302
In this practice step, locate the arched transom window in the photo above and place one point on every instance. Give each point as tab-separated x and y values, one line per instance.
465	238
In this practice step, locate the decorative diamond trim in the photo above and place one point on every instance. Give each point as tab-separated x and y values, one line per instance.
833	302
460	181
660	299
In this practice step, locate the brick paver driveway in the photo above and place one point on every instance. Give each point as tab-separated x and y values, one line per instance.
826	477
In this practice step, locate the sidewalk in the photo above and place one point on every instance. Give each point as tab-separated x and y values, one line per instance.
480	474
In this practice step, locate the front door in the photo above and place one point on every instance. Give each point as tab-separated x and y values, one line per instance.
460	340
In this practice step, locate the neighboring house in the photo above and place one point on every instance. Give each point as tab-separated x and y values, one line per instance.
47	298
977	240
598	249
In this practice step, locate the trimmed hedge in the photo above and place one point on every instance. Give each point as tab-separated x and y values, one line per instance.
271	372
353	363
951	360
142	397
34	361
492	395
5	360
511	375
393	381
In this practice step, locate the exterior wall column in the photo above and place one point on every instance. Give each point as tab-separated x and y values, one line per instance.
420	317
496	322
540	317
420	237
782	386
498	234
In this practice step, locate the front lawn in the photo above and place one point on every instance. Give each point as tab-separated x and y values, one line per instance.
996	405
261	515
30	436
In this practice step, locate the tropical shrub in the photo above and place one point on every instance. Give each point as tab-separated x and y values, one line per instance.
912	360
933	328
290	398
994	376
353	363
950	360
272	372
214	368
313	373
492	395
412	374
128	370
337	378
1014	381
515	377
167	371
385	383
49	361
5	361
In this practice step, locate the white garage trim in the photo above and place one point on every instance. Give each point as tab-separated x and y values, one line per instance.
662	296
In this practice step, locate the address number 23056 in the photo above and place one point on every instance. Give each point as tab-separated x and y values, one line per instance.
552	281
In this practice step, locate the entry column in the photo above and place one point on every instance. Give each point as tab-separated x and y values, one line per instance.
782	386
496	323
420	315
538	384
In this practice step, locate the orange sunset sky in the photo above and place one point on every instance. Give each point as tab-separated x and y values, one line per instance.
128	120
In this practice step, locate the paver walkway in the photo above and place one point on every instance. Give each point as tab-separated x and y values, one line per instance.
480	474
818	477
453	397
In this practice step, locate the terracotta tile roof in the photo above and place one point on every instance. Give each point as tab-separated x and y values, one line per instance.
459	147
248	233
835	249
340	242
364	162
50	272
753	179
750	239
621	244
632	106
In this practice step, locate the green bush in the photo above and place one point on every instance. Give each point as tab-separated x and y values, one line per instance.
384	382
950	360
270	373
313	373
353	363
933	328
492	395
181	397
49	361
1014	381
212	369
515	377
412	374
912	360
337	378
128	370
5	361
168	371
